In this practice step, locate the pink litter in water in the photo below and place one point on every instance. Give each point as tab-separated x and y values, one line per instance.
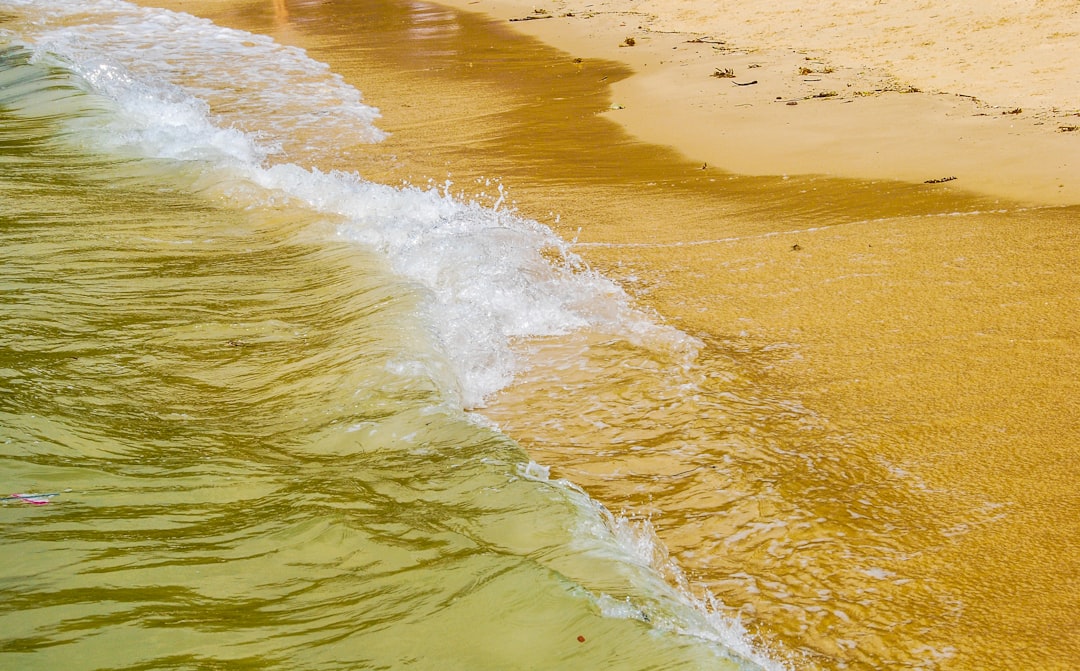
32	499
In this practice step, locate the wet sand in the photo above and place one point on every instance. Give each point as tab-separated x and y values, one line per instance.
931	332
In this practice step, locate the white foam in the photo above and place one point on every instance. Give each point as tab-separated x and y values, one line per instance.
149	58
491	278
488	274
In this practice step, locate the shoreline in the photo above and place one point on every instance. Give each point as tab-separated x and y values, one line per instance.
929	335
815	109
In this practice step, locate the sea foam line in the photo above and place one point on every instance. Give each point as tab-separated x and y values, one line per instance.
486	271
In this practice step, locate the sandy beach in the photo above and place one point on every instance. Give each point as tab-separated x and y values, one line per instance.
897	89
870	212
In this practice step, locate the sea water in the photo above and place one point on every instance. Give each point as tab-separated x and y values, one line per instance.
243	385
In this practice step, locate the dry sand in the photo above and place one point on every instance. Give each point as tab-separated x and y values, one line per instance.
988	93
